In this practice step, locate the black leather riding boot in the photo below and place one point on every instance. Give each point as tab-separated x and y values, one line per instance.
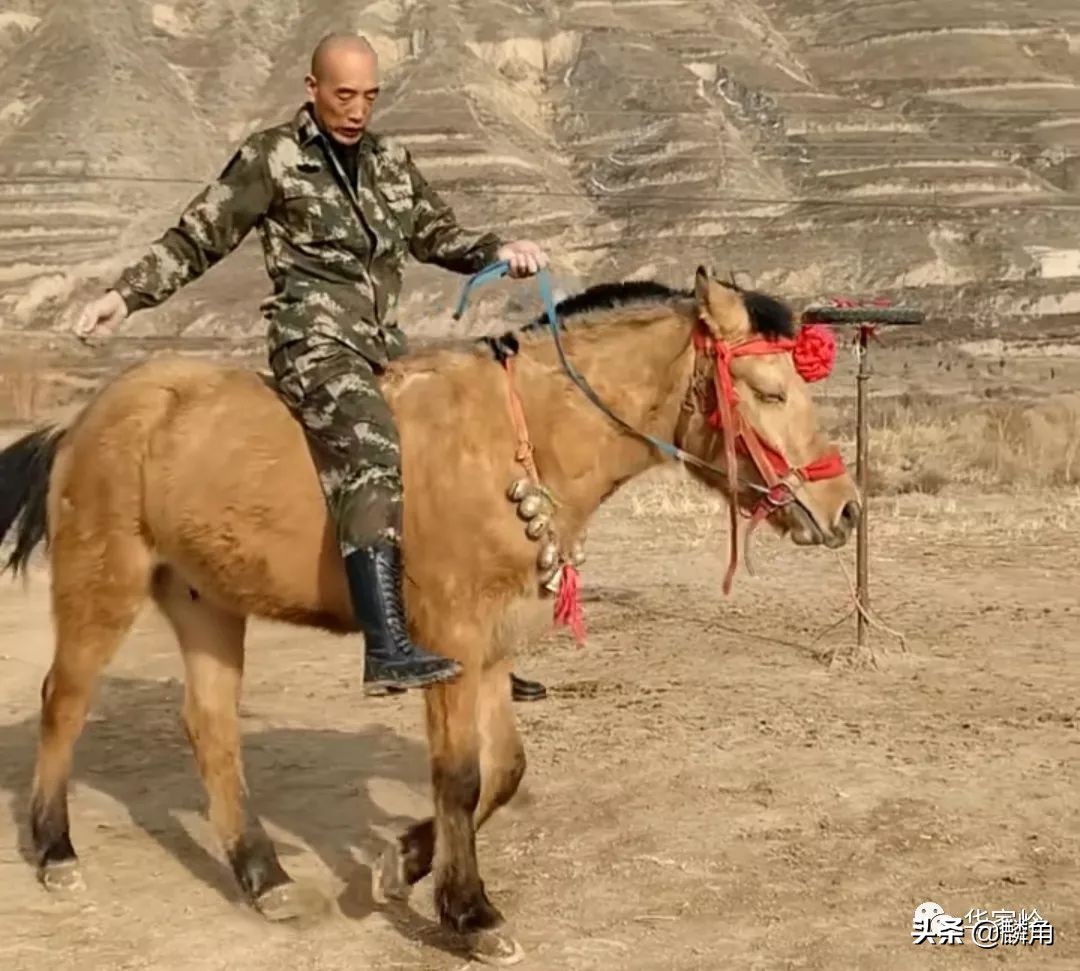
522	690
390	657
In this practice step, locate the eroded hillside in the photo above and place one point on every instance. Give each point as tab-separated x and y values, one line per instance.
911	147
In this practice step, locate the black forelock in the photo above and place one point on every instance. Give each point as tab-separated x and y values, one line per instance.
769	316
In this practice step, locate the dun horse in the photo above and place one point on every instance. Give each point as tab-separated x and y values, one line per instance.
191	483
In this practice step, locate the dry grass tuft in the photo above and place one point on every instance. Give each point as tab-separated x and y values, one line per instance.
670	491
1036	445
924	446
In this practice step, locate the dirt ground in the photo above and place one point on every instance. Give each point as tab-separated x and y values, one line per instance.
703	791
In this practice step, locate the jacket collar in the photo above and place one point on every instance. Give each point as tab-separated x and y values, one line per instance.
306	130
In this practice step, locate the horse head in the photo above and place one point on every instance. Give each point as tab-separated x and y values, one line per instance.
750	403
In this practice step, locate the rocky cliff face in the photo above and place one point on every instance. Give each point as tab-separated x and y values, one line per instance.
925	150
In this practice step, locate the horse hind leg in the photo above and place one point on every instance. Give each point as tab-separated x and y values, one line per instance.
212	645
97	589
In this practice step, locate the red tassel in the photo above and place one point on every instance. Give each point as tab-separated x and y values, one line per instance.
568	605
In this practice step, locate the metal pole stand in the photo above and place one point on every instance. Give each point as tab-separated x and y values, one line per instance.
866	317
862	469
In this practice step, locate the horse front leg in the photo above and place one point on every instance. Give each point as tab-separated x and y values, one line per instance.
502	765
460	899
455	775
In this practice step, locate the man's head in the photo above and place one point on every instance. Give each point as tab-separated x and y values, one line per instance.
343	85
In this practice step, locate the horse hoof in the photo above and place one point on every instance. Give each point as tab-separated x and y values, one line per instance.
493	948
292	902
388	877
63	877
383	690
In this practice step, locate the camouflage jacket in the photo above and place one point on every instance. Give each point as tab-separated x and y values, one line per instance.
334	252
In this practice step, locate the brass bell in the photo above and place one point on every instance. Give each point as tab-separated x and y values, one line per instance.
531	505
537	526
552	583
519	489
577	554
548	556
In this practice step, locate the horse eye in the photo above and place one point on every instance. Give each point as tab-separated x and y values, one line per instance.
770	398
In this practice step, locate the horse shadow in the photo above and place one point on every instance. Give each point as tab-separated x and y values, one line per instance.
308	783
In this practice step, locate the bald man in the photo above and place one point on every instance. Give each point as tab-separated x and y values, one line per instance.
337	207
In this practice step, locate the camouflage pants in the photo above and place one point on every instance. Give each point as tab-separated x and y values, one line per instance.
333	391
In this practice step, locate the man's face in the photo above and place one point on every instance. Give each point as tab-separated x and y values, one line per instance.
344	93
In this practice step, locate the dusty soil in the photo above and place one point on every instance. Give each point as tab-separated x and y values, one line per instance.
703	791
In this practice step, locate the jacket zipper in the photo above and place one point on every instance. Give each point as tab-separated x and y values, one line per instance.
355	199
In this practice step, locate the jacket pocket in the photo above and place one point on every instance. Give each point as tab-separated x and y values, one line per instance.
312	217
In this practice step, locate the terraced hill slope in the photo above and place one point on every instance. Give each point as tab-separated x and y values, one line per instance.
910	148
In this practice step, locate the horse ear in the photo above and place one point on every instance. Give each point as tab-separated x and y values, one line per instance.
701	285
719	308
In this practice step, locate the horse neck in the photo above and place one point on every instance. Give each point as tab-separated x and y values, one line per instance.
639	365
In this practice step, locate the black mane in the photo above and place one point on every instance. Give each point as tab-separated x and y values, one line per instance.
769	317
610	296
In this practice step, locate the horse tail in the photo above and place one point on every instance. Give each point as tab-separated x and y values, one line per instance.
25	468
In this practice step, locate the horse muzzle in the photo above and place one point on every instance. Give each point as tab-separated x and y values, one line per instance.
805	529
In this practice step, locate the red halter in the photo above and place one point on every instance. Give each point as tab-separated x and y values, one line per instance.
813	353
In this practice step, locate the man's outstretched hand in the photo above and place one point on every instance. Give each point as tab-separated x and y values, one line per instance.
103	314
525	257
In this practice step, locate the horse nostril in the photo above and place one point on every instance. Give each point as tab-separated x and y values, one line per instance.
849	515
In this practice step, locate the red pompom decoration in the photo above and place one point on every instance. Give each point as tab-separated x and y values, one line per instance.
814	352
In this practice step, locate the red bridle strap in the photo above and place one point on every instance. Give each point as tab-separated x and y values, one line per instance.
739	435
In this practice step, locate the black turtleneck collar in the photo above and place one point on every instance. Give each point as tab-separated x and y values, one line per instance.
348	156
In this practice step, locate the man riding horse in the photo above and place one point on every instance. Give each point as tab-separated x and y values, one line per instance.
337	207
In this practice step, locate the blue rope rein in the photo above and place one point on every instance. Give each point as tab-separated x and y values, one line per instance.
495	271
